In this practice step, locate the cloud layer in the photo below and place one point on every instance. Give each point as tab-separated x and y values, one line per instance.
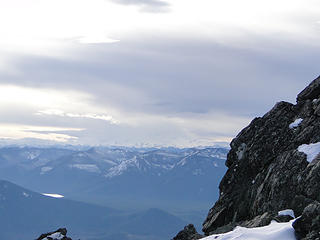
147	5
115	74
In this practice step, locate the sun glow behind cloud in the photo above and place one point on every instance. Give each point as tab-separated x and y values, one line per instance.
16	132
46	26
36	102
39	97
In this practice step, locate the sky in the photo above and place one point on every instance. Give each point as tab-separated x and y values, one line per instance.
150	72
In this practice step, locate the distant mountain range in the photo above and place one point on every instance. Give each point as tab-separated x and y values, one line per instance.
24	214
180	181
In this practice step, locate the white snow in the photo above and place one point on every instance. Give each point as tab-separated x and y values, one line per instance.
25	194
81	154
197	172
311	150
183	161
32	155
121	168
110	162
286	212
40	162
273	231
45	169
55	236
54	195
167	166
86	167
296	123
166	154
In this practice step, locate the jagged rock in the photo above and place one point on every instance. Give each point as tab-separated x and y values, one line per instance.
60	234
311	92
266	172
308	225
283	218
259	221
188	233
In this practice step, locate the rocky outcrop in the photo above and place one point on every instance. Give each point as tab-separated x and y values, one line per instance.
308	225
267	173
60	234
188	233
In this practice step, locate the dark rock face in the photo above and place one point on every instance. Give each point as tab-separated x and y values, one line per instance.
266	172
308	225
310	92
60	234
188	233
283	218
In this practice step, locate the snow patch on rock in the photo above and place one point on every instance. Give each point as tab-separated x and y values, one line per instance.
311	150
55	236
286	212
54	195
296	123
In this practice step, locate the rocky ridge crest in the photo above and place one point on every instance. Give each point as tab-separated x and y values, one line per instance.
267	173
60	234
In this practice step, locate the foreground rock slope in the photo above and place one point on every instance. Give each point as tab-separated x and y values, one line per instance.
274	164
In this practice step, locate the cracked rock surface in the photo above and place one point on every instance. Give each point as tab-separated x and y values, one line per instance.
268	172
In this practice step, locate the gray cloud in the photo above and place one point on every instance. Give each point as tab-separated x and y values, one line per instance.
173	77
146	5
189	79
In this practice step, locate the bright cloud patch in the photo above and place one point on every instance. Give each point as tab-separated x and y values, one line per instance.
92	18
10	131
96	39
42	97
61	113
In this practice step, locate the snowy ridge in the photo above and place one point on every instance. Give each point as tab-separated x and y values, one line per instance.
109	162
274	231
160	161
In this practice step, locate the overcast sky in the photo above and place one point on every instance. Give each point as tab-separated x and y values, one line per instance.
150	72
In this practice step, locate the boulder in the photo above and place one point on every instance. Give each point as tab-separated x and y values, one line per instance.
188	233
308	225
